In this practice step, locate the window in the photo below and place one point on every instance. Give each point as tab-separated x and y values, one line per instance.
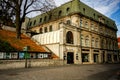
69	37
97	43
30	24
94	15
82	40
60	13
81	23
85	57
68	10
87	41
34	22
86	24
92	26
40	20
50	16
96	29
45	18
50	28
68	21
45	29
84	10
41	30
93	42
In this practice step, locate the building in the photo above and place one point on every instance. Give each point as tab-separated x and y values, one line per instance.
76	33
119	46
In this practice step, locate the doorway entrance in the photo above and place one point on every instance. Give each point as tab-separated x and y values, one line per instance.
96	58
70	58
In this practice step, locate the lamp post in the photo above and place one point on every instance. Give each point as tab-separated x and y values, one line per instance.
25	49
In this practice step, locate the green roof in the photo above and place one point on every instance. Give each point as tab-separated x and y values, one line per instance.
69	8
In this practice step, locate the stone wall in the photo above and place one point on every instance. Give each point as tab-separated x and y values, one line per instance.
12	64
8	28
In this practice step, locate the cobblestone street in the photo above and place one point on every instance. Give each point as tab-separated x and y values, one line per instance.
68	72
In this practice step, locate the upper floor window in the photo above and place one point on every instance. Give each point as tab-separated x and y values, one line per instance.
93	42
86	24
81	22
87	43
60	13
41	31
45	29
50	16
30	24
68	10
82	40
34	22
84	10
92	26
50	28
96	29
40	20
45	18
96	43
68	21
69	37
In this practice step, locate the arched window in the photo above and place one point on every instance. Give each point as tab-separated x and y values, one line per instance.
41	30
69	37
87	43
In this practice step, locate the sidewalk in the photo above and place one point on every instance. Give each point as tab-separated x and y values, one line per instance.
70	72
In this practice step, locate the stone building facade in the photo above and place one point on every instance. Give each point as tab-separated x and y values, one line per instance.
76	33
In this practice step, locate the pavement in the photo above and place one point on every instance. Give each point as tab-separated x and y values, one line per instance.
66	72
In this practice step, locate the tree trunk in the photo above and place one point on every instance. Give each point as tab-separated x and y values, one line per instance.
18	24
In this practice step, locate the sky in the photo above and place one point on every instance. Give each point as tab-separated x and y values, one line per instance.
110	8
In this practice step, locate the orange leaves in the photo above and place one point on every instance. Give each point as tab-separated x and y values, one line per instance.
19	44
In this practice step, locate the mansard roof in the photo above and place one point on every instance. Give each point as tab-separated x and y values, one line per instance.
69	8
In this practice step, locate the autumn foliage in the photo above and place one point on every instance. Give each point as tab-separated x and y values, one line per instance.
10	37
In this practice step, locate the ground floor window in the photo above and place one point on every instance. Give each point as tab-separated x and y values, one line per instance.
115	57
85	57
109	57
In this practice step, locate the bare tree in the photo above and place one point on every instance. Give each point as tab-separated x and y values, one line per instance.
6	14
23	7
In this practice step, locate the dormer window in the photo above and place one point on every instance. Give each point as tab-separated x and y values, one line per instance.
30	24
40	20
34	22
60	13
50	16
84	10
68	10
45	18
